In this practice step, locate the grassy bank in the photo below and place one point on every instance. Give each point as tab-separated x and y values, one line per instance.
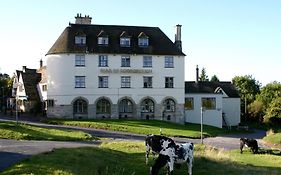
11	130
127	158
144	127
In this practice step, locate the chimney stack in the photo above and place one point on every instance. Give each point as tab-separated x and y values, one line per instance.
23	69
197	74
41	63
79	19
178	37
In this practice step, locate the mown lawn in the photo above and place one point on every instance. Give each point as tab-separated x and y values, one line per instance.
21	131
127	158
274	139
145	127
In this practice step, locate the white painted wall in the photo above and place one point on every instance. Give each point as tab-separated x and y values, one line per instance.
231	108
210	117
61	71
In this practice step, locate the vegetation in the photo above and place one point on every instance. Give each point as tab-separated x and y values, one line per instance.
6	89
127	158
10	130
144	127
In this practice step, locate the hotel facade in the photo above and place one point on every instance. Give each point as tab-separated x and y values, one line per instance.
109	71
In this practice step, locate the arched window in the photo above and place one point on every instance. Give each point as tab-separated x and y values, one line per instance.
169	105
80	106
147	105
103	106
125	106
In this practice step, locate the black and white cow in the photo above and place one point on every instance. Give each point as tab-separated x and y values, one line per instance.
154	144
251	143
169	153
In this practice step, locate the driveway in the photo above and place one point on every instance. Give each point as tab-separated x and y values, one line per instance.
12	151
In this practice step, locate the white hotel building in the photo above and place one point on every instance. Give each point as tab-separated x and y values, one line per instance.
110	71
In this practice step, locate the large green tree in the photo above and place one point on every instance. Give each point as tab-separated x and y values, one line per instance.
214	78
269	93
203	76
248	88
5	88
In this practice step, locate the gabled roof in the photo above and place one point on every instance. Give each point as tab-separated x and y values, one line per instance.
211	87
30	80
159	43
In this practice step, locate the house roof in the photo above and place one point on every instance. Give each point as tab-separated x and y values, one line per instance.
30	79
211	87
159	43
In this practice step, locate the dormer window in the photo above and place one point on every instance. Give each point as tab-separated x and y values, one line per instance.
143	40
125	39
80	39
102	38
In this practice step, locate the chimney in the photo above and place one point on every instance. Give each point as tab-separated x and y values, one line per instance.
41	63
79	19
178	37
197	74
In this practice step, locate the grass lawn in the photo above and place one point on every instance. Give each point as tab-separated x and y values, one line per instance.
144	127
10	130
274	139
127	158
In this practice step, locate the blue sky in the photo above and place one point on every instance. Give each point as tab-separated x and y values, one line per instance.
227	37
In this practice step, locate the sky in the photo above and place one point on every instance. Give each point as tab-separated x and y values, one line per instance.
226	37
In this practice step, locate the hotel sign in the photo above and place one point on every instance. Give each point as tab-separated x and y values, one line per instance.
135	71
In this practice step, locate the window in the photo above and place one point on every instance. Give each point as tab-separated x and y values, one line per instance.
208	103
169	62
143	42
79	60
147	105
125	106
80	106
103	107
169	105
50	103
103	41
44	87
169	82
147	82
125	82
125	42
103	61
125	61
147	61
80	40
189	104
80	82
103	82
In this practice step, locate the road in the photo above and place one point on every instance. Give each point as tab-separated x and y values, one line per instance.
12	151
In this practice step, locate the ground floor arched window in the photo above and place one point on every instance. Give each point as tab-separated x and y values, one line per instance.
103	106
125	106
169	105
80	106
147	105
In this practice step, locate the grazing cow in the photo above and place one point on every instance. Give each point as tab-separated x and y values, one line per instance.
155	144
251	143
177	155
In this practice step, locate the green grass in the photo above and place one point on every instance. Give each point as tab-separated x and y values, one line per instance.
127	158
145	127
11	130
274	139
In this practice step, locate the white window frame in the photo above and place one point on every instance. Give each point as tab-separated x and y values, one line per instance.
80	81
169	82
189	100
208	103
125	82
103	61
147	82
169	62
80	40
80	60
125	61
103	41
125	41
147	61
143	42
103	81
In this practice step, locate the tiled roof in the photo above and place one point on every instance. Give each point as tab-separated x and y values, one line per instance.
159	43
210	87
30	79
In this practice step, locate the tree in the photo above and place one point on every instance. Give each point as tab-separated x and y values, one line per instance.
5	88
248	88
203	75
273	112
269	93
214	78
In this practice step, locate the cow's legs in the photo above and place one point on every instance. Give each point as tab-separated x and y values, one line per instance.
189	164
147	154
158	164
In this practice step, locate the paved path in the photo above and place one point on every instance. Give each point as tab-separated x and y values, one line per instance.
12	151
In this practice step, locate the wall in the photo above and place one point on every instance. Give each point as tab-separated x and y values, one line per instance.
231	108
